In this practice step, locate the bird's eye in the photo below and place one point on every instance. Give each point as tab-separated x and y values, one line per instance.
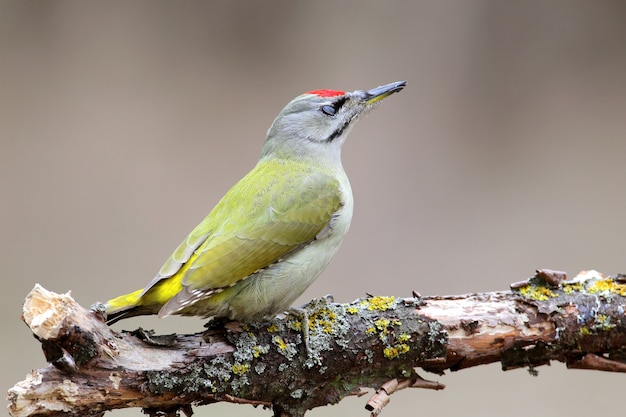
329	110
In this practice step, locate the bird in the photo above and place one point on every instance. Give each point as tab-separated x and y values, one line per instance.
274	231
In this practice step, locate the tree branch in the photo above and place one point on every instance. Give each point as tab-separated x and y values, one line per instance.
375	342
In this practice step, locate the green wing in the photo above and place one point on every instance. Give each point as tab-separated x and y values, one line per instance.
275	209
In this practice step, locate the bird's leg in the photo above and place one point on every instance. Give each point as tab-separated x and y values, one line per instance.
302	313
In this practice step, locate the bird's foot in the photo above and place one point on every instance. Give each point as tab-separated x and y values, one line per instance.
304	318
215	322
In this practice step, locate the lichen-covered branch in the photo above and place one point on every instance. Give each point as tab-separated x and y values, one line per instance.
375	342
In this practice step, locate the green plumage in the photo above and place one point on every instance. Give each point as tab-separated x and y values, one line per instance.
277	208
291	203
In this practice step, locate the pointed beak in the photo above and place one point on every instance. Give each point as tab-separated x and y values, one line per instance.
379	93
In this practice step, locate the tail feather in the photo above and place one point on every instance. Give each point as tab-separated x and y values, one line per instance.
128	312
126	306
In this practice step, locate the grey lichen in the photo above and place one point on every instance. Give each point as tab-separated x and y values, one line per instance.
287	349
328	327
260	367
196	378
245	345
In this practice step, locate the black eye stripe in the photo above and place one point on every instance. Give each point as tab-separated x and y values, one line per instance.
339	102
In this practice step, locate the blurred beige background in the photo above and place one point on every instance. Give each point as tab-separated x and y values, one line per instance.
123	123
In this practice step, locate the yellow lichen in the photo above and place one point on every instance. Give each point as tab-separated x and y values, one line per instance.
352	310
570	288
323	319
537	293
295	325
259	350
404	337
392	352
584	331
240	368
370	331
279	342
382	324
604	322
607	285
378	303
273	328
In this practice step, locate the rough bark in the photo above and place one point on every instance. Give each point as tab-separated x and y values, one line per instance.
374	342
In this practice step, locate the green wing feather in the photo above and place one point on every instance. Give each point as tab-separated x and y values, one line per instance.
275	209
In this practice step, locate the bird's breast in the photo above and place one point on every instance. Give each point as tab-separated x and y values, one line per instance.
275	288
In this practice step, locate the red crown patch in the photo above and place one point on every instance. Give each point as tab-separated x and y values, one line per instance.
327	93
